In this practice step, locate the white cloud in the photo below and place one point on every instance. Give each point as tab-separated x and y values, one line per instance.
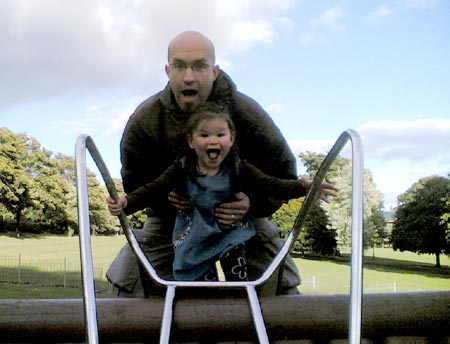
276	109
382	11
224	64
243	34
286	24
330	19
314	146
52	48
245	8
398	153
99	120
423	4
312	39
415	140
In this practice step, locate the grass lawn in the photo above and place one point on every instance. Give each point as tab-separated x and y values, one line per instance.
104	248
43	248
389	271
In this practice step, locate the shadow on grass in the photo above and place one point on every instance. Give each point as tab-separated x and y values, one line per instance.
29	235
388	265
20	236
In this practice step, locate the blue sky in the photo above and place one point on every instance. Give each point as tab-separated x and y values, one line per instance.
381	68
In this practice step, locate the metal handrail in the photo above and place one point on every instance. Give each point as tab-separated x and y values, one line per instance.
87	269
356	280
85	141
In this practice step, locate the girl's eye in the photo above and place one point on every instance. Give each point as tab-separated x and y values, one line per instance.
203	135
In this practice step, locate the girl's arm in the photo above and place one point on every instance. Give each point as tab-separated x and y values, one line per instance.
278	188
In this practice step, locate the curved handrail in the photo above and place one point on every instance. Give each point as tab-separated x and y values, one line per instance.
356	279
85	141
357	222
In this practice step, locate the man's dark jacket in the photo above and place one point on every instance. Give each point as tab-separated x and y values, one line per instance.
155	137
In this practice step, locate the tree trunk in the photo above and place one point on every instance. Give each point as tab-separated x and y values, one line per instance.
438	260
18	219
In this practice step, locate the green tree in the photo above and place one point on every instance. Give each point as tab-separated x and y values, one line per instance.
50	190
102	222
284	219
100	219
339	209
445	218
66	169
316	236
422	223
320	236
17	172
137	219
374	230
40	188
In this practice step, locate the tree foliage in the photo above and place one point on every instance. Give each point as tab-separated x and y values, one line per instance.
422	218
339	209
38	189
316	236
15	183
328	226
137	219
375	229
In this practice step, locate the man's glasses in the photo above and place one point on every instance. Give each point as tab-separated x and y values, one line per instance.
181	67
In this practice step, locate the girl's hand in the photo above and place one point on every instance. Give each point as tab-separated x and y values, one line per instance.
116	208
326	191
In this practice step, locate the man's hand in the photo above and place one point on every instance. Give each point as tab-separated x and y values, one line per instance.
116	208
326	191
229	213
180	201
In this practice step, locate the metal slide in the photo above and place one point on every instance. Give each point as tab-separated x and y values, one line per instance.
85	142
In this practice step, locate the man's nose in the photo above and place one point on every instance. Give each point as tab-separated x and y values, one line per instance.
189	75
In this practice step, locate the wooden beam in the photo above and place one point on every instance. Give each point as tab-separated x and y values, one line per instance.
227	318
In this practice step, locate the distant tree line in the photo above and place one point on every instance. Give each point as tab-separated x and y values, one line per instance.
38	195
421	221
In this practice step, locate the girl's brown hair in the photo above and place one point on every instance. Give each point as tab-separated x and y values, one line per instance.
208	111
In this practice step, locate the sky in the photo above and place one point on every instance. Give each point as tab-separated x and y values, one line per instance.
380	68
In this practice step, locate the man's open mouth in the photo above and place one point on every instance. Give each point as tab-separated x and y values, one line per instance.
213	153
189	93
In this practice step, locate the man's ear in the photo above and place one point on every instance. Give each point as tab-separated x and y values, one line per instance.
216	72
167	69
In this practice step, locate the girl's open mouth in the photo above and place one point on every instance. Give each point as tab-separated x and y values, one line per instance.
213	153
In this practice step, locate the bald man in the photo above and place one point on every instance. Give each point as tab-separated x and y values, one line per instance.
154	137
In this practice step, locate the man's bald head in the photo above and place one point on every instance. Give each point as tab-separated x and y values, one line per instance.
188	39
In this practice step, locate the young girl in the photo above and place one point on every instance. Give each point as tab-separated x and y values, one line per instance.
211	173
